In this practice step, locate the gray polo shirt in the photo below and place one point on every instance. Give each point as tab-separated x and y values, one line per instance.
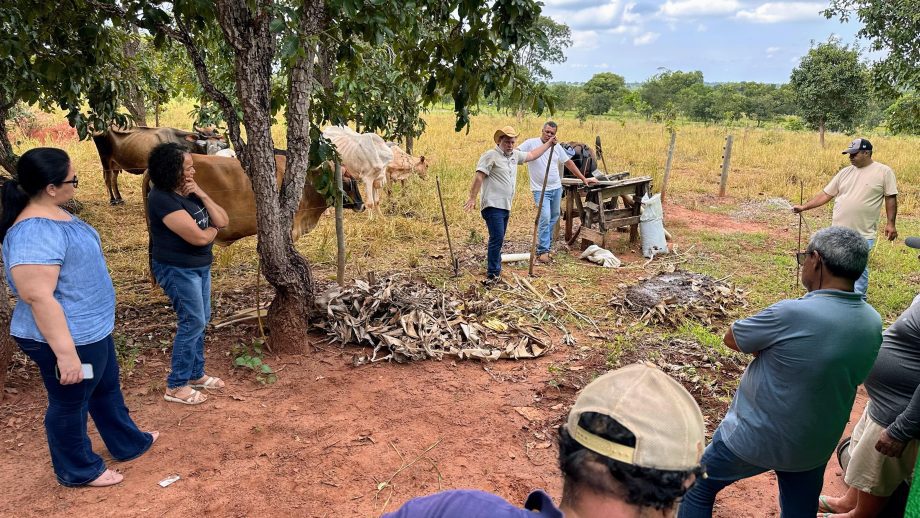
795	397
894	383
501	177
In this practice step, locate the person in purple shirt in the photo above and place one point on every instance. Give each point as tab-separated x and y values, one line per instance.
631	447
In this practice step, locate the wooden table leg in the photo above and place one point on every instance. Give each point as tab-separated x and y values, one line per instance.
569	204
637	208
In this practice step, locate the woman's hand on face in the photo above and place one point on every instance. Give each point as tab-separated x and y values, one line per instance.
70	369
191	187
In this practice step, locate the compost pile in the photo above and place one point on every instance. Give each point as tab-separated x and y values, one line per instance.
670	298
405	319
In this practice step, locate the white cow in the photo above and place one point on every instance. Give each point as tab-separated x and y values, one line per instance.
404	164
365	156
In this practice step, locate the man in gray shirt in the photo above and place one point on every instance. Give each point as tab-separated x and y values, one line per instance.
883	448
496	176
795	397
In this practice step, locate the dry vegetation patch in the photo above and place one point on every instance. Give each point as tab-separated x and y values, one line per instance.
674	296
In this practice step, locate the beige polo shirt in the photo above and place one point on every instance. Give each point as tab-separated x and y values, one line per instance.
501	177
858	194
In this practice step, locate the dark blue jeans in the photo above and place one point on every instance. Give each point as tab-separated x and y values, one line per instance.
798	491
72	456
189	290
497	223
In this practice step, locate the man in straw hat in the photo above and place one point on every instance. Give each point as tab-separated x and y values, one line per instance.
496	176
795	397
859	190
631	448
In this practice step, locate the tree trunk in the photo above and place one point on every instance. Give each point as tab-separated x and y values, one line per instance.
8	158
821	133
135	98
410	140
6	341
284	268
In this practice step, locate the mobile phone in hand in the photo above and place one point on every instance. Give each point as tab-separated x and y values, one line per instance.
87	371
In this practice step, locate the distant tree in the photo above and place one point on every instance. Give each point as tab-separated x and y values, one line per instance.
601	93
565	95
891	26
666	86
830	87
547	41
698	103
633	101
903	116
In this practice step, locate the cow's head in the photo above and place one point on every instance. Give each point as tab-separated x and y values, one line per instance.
352	199
422	167
206	141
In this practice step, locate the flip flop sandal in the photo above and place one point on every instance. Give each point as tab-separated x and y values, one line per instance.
824	507
193	398
210	382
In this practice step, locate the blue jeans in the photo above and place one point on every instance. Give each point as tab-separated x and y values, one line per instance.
798	491
497	223
549	215
189	289
72	456
862	284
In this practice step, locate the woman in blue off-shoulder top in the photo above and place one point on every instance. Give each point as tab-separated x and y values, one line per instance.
64	317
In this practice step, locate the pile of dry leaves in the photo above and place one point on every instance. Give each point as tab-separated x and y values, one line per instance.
671	297
407	319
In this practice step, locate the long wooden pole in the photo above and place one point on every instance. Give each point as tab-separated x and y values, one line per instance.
536	222
726	165
798	267
599	151
450	247
667	165
339	226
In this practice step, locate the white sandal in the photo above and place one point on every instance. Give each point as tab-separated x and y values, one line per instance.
210	382
193	398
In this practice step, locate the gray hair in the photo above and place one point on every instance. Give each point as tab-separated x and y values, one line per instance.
843	250
551	124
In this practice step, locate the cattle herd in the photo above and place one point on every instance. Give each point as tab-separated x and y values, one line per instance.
365	157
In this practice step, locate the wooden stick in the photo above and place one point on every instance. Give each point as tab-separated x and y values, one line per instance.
798	268
726	165
450	247
667	165
536	222
339	226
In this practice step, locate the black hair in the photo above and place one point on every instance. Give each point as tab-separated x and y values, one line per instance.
165	165
37	168
583	469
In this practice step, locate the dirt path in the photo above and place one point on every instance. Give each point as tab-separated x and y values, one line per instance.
323	439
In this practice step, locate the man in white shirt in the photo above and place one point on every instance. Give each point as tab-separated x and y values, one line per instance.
552	198
859	190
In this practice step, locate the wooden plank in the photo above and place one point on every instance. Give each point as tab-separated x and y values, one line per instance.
569	205
566	182
592	235
622	222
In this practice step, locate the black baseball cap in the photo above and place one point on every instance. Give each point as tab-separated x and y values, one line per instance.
858	145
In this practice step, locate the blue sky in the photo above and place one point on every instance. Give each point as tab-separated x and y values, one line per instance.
728	40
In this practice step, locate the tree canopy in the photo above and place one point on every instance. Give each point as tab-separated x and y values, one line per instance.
830	87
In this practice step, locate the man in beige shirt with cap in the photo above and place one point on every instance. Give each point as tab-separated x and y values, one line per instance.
631	448
859	190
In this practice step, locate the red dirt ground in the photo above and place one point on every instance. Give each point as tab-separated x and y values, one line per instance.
327	439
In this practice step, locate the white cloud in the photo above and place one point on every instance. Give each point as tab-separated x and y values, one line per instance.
593	17
772	50
691	8
585	40
646	38
777	12
577	65
602	65
701	28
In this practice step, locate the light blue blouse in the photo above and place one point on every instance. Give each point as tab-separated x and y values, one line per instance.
84	287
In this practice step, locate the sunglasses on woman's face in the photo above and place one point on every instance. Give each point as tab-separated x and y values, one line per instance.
75	182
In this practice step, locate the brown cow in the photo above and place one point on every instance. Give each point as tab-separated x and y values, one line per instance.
128	149
227	184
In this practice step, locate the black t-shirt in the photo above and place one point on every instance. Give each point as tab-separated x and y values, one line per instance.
167	247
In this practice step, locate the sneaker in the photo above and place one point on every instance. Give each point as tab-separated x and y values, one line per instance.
491	280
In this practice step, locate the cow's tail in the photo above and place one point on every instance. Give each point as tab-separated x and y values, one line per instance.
145	190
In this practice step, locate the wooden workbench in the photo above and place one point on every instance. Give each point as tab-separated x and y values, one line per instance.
596	208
